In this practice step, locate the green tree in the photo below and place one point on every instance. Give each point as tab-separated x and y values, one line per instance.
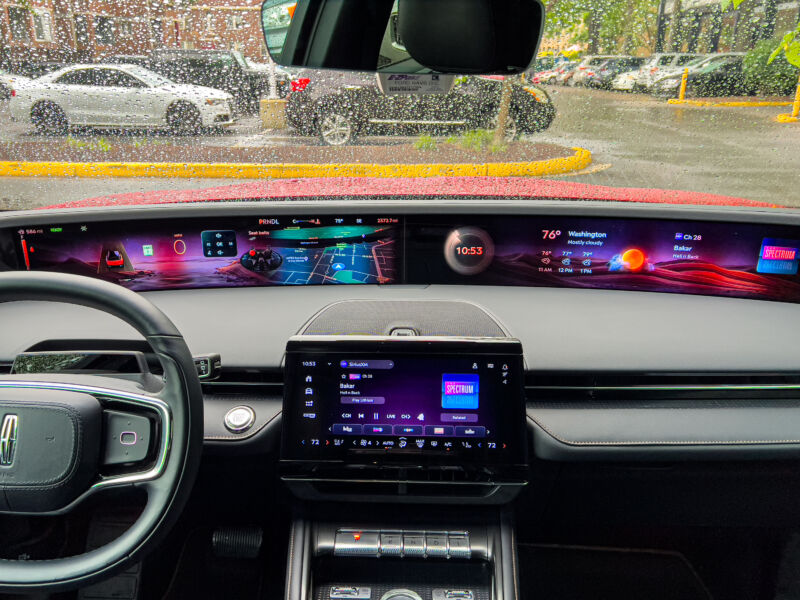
789	45
769	76
607	25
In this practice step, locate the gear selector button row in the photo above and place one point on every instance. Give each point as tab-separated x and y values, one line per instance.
418	544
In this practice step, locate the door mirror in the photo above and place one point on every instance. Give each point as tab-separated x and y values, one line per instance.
404	36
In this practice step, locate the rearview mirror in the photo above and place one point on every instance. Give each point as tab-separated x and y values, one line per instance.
404	36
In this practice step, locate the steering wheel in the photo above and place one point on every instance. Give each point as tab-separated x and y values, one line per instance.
64	437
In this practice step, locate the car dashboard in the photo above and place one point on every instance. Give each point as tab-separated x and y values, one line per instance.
447	352
609	298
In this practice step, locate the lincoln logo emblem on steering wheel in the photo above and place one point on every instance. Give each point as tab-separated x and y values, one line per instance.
8	440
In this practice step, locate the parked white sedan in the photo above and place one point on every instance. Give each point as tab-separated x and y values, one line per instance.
625	82
117	96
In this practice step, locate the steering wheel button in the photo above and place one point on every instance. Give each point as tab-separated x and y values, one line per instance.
239	419
127	437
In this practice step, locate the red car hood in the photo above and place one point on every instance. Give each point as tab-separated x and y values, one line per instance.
434	187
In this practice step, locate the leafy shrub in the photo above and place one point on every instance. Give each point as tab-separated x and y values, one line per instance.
425	142
779	77
477	139
102	144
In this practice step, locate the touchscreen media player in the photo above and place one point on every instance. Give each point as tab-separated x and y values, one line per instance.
424	401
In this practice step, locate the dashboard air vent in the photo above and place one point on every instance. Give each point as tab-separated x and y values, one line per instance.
591	388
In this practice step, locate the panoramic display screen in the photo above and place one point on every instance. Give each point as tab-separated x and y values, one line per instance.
692	257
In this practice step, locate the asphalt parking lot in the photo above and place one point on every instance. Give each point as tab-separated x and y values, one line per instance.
636	141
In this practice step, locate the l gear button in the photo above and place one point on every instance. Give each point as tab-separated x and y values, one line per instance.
127	437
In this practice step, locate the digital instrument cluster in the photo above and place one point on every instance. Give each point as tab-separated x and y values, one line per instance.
235	252
389	399
745	260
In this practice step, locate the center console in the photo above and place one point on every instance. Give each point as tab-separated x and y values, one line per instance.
467	555
373	427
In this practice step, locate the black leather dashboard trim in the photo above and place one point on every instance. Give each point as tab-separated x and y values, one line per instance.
265	408
749	429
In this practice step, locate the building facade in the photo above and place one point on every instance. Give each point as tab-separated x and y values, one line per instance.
702	26
225	25
74	30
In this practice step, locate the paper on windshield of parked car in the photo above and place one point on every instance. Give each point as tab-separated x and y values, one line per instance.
423	83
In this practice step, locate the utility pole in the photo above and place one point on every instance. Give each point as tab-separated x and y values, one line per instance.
502	112
770	12
675	27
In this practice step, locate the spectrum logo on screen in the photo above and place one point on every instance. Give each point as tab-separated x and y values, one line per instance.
778	257
460	391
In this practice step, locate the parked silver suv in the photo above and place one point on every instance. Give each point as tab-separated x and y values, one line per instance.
654	67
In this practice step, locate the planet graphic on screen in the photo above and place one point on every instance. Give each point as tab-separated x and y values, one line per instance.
632	259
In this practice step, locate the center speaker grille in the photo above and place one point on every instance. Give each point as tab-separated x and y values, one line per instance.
425	317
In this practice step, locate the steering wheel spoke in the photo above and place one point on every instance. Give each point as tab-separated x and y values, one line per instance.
98	437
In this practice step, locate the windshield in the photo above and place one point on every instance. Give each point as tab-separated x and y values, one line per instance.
714	66
696	61
147	75
602	103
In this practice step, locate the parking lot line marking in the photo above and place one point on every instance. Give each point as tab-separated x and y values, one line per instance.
581	159
593	169
743	103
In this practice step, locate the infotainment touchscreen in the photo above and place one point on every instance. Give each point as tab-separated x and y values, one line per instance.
388	400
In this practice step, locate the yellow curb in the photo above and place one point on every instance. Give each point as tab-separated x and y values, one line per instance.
553	166
709	103
786	118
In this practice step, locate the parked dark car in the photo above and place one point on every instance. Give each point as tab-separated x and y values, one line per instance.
724	77
127	59
223	70
339	106
32	68
602	75
220	69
